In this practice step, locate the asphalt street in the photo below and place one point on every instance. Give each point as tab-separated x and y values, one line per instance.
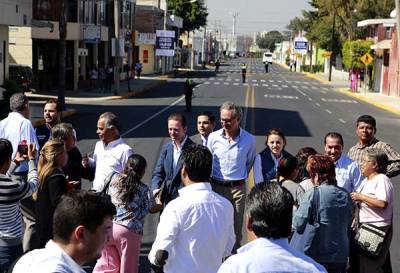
303	108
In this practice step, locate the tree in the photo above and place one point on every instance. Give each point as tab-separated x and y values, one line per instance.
194	14
353	51
269	40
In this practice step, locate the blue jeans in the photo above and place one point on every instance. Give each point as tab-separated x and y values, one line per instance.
8	254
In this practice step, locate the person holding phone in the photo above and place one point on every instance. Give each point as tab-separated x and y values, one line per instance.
17	127
12	190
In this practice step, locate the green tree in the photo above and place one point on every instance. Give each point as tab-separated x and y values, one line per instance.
353	51
269	40
194	14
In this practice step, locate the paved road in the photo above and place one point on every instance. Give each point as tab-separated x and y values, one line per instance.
303	108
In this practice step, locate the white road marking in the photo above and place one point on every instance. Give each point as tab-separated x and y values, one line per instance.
153	116
317	104
329	112
342	121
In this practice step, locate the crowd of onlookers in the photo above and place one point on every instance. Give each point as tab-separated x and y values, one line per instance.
309	212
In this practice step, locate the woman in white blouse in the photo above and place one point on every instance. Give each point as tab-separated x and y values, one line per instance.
375	197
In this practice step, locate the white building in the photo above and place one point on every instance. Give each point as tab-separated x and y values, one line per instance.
12	13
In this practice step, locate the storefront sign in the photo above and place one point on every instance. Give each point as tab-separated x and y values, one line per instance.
91	34
145	39
165	43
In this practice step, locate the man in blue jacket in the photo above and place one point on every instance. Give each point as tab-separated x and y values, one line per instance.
166	178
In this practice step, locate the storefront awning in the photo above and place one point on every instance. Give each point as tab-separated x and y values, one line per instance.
384	44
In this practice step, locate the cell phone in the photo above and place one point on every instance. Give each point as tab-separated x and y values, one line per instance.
22	149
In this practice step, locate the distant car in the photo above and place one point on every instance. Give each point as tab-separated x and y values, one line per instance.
232	54
21	74
267	57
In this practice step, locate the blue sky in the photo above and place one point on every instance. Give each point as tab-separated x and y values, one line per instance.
254	15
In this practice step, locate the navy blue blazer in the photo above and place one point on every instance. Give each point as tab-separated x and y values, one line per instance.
268	164
164	172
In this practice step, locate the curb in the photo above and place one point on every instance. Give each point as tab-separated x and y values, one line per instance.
315	77
382	106
72	112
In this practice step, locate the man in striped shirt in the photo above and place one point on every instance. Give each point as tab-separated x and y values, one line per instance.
366	130
12	190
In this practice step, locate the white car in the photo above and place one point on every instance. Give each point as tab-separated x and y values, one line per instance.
267	57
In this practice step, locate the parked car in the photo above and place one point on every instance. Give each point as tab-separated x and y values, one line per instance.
21	74
232	54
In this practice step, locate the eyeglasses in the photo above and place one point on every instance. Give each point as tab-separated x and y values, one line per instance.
227	120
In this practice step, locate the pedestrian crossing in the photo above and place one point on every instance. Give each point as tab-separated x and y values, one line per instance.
272	84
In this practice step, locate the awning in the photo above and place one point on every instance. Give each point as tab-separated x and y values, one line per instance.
384	44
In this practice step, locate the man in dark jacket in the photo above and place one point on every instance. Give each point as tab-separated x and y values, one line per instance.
166	178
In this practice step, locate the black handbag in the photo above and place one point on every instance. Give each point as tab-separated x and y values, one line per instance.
369	239
104	191
303	241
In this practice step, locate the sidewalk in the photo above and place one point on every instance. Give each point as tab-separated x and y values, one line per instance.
137	86
388	103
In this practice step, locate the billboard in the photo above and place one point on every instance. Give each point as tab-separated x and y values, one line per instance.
300	45
165	40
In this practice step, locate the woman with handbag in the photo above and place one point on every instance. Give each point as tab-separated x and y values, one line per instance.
375	200
323	219
133	200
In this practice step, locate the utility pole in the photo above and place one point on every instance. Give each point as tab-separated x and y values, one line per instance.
332	44
117	46
62	54
398	29
163	58
234	15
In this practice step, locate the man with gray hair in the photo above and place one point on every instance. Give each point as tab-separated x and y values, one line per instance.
110	153
234	151
18	128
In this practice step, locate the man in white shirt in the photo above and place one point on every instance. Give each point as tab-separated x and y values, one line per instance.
348	175
110	153
196	228
269	223
16	128
82	221
205	126
234	151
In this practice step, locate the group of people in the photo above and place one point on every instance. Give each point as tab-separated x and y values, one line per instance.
103	76
199	187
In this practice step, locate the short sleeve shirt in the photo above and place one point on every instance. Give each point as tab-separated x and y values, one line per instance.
381	188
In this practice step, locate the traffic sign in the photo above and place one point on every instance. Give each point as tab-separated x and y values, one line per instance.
367	58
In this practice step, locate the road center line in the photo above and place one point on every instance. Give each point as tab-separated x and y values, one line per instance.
329	112
153	116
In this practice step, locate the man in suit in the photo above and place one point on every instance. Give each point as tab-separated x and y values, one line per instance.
205	126
166	178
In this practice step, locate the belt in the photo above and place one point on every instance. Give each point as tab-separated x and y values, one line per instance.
228	183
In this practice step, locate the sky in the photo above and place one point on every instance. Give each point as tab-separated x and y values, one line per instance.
253	15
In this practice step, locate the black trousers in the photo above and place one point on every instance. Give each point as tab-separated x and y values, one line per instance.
188	101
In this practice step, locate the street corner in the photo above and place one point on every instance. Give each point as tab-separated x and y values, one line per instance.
139	90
